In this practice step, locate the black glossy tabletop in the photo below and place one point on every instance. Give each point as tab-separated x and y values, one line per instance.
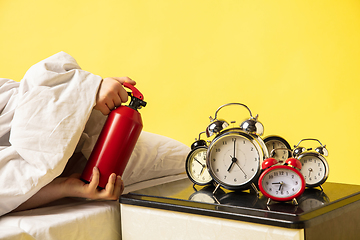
246	205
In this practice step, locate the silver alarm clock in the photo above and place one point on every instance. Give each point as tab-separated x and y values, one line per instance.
315	167
235	154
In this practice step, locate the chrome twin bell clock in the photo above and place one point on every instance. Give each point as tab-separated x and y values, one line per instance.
276	142
196	168
235	154
315	168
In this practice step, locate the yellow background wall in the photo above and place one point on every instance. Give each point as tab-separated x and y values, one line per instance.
295	63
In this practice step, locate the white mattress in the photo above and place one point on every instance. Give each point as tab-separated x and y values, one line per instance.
72	218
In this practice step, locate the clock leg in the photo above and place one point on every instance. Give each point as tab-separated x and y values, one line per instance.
216	188
255	189
216	200
295	202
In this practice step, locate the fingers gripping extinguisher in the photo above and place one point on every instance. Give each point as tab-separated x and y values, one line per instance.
116	140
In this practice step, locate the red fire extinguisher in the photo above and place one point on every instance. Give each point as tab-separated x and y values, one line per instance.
117	139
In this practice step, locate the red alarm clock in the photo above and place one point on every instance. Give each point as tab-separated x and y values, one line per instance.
282	182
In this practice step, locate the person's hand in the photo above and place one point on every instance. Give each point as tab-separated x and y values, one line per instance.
74	187
111	94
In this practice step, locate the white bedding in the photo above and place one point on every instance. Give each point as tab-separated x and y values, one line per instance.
72	219
42	119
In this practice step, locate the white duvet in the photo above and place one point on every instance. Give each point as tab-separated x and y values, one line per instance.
42	120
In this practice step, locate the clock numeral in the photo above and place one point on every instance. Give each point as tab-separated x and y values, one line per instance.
217	150
224	142
233	139
252	149
235	180
271	176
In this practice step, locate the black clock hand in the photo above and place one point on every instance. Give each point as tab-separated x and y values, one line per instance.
240	168
198	162
281	183
234	147
202	170
310	170
233	160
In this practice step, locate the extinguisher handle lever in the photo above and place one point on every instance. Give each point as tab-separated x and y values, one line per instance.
136	93
137	99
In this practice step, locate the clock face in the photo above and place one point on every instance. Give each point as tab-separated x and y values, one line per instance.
314	169
196	166
233	160
274	142
281	183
